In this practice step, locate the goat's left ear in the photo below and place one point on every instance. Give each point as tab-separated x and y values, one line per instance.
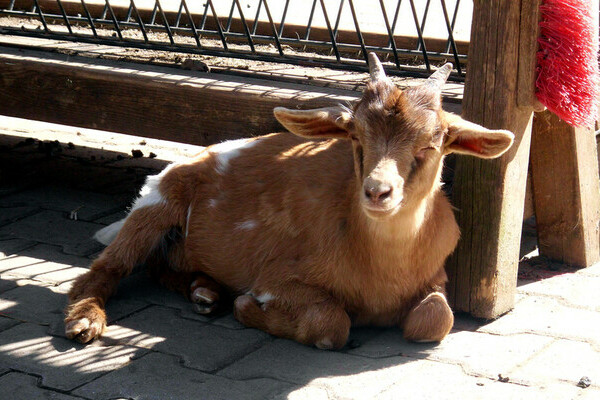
320	123
465	137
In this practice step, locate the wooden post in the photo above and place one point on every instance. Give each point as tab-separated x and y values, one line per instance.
564	168
489	194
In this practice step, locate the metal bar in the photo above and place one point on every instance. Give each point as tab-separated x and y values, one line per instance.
114	19
219	28
396	17
153	16
246	30
451	37
89	17
453	23
282	23
389	29
41	15
275	36
255	24
423	48
424	20
192	25
337	19
139	20
179	12
129	12
358	33
64	14
333	43
310	19
164	17
11	5
204	16
104	11
230	18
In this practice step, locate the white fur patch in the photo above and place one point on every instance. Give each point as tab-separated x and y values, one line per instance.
264	298
228	150
107	234
246	225
149	195
212	203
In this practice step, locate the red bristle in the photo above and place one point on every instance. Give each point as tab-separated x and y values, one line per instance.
567	61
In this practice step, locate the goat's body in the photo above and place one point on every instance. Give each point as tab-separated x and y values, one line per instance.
284	209
343	224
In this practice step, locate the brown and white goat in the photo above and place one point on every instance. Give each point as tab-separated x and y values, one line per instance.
341	224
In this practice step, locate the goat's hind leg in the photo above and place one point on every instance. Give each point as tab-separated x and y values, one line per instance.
144	228
310	317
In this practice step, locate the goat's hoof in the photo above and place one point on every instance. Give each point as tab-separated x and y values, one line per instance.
85	322
205	301
430	321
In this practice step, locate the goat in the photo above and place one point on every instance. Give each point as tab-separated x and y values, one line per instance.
343	223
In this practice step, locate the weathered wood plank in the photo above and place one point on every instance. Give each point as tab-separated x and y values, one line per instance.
157	102
489	194
564	167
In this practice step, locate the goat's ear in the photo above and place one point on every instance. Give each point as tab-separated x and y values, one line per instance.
465	137
330	122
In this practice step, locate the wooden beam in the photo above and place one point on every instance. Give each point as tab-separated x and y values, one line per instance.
564	167
489	194
158	102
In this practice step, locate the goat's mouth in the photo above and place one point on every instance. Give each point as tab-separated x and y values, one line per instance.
379	212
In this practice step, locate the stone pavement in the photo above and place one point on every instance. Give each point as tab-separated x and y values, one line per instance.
55	195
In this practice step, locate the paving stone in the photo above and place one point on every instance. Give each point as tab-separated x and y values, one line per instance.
574	289
89	205
12	214
448	384
7	323
33	302
24	387
289	361
563	360
6	285
44	263
159	376
62	364
200	346
589	394
478	353
52	227
114	217
548	316
10	247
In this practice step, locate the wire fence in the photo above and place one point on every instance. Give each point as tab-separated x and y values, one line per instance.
326	33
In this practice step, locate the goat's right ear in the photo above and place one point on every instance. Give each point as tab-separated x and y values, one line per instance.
465	137
320	123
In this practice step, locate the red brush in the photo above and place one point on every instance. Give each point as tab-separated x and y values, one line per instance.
567	61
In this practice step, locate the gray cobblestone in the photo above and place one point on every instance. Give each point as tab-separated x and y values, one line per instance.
25	387
89	205
200	346
52	227
160	377
62	364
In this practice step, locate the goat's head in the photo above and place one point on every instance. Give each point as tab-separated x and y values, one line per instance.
399	138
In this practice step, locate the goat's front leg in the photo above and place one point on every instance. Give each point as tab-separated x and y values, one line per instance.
430	320
296	311
85	317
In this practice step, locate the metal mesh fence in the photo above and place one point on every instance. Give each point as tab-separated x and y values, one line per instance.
327	33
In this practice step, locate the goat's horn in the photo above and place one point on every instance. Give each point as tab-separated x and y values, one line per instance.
375	67
439	77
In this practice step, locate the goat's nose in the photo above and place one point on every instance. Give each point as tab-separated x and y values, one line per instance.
378	193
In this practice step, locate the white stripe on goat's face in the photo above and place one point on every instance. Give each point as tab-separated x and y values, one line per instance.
224	152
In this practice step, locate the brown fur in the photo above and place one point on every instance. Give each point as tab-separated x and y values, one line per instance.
308	224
